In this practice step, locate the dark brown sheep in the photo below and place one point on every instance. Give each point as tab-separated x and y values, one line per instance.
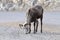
33	15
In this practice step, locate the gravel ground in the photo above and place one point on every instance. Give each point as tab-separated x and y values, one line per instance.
15	33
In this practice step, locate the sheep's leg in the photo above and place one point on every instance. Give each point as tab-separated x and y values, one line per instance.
35	26
28	28
41	23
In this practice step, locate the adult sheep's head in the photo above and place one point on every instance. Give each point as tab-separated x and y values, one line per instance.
23	26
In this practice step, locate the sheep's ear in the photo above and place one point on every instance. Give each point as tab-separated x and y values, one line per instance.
25	24
29	10
20	25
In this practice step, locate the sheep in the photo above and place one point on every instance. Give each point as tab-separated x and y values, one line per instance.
33	15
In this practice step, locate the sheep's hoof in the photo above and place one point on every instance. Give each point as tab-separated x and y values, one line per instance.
34	32
28	33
